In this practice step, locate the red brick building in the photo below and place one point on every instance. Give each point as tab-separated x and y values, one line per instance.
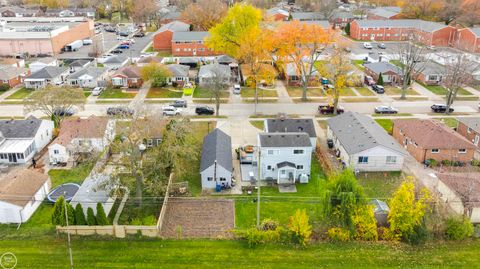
468	39
430	139
127	77
426	32
470	129
162	40
190	44
277	14
384	13
12	76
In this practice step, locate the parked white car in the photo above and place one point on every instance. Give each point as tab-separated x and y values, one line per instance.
87	42
96	91
367	45
236	89
171	111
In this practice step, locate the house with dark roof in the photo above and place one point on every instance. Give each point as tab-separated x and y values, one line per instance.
292	126
49	75
363	145
216	166
21	193
162	40
191	44
89	77
127	77
20	140
285	157
18	11
431	140
209	71
78	65
294	78
470	129
391	74
115	62
384	13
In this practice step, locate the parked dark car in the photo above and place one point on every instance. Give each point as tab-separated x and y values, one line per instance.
440	108
385	110
179	103
64	112
381	46
139	34
204	110
120	111
328	109
117	51
122	34
110	29
378	88
369	81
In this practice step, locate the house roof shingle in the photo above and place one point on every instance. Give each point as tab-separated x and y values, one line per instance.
91	127
20	128
307	16
92	71
175	26
8	72
386	12
179	70
189	36
430	134
209	70
357	132
473	123
466	185
383	67
48	72
290	126
427	26
19	186
217	146
284	140
129	72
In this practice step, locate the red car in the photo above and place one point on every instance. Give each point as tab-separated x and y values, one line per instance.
369	81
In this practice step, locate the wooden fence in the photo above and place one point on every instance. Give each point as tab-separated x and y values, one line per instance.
119	231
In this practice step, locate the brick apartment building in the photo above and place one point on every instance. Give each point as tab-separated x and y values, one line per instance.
468	39
430	139
470	129
162	40
384	13
426	32
190	44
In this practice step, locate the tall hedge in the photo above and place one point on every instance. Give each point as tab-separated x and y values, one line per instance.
70	214
91	217
79	215
101	216
58	215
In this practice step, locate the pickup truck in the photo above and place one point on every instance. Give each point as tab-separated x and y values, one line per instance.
328	109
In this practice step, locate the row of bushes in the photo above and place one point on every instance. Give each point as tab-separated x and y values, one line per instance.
4	87
77	216
435	163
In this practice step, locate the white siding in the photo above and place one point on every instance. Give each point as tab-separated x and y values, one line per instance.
60	157
221	173
44	134
284	154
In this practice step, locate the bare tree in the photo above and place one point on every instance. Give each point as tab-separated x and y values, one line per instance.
204	14
338	71
458	72
217	83
411	60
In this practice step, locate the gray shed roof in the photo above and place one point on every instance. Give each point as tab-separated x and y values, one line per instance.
115	60
284	140
383	67
431	68
217	146
20	128
175	26
380	206
93	71
79	63
179	70
427	26
290	125
473	123
307	16
476	31
386	12
357	132
49	72
225	59
92	190
208	70
189	36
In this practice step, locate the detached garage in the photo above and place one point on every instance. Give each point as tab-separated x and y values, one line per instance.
21	193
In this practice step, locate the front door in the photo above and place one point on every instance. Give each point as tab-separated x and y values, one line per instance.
12	157
476	139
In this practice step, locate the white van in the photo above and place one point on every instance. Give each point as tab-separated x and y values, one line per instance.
87	42
237	89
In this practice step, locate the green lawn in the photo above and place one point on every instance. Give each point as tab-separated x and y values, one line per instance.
380	185
74	175
387	124
116	94
298	91
22	93
359	64
439	90
147	214
259	124
280	206
200	92
164	93
397	91
248	92
364	91
87	93
450	122
347	92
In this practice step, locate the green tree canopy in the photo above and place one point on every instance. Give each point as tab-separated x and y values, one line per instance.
79	215
91	217
156	73
58	215
101	216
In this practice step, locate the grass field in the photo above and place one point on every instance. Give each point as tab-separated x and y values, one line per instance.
205	93
439	90
259	124
387	124
359	64
20	94
116	94
380	185
298	91
164	93
364	91
450	122
389	90
74	175
248	92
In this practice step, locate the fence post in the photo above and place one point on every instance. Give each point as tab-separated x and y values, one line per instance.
164	205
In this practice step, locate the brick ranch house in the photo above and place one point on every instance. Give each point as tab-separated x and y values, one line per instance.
162	40
470	129
469	39
190	44
426	32
391	74
430	139
127	77
12	76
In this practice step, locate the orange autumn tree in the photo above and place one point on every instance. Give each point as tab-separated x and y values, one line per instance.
301	44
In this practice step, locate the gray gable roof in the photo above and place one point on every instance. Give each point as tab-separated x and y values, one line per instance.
307	16
79	63
179	70
357	132
209	70
175	26
290	125
115	60
49	72
93	71
386	12
431	68
189	36
427	26
382	67
217	146
476	31
20	128
284	140
225	59
473	123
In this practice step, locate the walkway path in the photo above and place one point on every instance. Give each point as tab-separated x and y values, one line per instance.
139	99
282	92
423	91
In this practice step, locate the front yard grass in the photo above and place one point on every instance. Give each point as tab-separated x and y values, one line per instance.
359	64
390	90
249	92
22	93
364	91
298	91
450	122
116	94
259	124
347	92
164	93
200	92
386	124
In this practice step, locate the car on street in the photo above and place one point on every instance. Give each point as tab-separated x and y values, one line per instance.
237	89
110	29
385	110
123	46
204	110
367	45
97	91
325	109
117	51
120	111
64	112
368	80
171	111
347	49
378	89
179	103
125	34
440	108
139	34
381	46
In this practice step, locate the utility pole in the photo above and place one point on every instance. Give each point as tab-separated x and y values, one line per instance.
258	189
68	233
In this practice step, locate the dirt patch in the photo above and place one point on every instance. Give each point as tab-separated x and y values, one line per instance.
199	218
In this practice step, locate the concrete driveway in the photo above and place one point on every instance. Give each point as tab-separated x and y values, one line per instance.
241	131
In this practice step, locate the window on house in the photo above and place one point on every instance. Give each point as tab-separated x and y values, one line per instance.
462	150
435	150
3	156
159	141
55	151
283	172
149	142
298	151
300	167
363	159
269	167
223	179
209	178
469	130
432	77
391	159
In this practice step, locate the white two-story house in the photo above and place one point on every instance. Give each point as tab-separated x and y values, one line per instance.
20	140
285	157
77	135
216	166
